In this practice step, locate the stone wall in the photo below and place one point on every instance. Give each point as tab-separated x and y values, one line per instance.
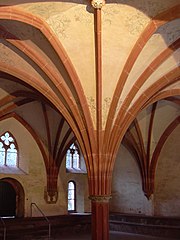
127	194
32	177
167	180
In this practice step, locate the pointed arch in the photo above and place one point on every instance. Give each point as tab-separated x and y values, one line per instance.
145	75
20	195
9	150
73	157
14	13
156	22
123	124
30	130
77	114
171	127
162	95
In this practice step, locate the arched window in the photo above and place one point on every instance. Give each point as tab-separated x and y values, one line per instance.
8	150
73	157
71	196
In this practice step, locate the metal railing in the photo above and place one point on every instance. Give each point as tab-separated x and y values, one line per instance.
49	224
4	228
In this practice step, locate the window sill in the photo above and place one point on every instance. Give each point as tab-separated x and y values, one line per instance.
11	170
73	170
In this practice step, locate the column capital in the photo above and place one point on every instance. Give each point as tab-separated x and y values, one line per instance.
98	3
100	198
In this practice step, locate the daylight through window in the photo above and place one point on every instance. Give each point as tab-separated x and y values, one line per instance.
8	150
71	196
72	157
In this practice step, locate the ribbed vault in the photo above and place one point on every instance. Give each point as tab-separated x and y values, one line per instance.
90	71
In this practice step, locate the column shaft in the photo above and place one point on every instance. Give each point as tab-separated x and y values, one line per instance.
100	218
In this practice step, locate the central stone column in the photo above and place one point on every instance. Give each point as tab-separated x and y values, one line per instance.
99	202
100	217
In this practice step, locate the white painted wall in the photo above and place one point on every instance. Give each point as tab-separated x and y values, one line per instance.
127	194
33	176
81	180
167	179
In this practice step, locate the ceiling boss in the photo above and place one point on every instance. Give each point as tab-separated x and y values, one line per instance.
98	3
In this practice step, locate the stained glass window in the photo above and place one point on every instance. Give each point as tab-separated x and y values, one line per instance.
71	196
8	150
72	157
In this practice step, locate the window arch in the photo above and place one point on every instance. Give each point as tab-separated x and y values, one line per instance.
8	150
73	157
71	196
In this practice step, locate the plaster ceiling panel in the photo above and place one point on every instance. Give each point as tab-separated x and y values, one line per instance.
2	92
149	7
43	8
171	63
143	120
31	51
159	42
46	9
54	119
122	26
136	21
34	42
161	119
72	24
38	122
74	28
14	61
11	57
7	87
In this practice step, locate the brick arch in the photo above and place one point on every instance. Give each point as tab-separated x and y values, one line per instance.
146	74
20	195
156	22
162	95
14	13
141	80
17	74
172	126
42	64
110	133
159	85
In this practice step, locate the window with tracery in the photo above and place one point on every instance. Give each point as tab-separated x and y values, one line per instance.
71	196
73	157
8	150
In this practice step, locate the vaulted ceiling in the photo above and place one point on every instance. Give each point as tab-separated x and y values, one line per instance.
91	71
